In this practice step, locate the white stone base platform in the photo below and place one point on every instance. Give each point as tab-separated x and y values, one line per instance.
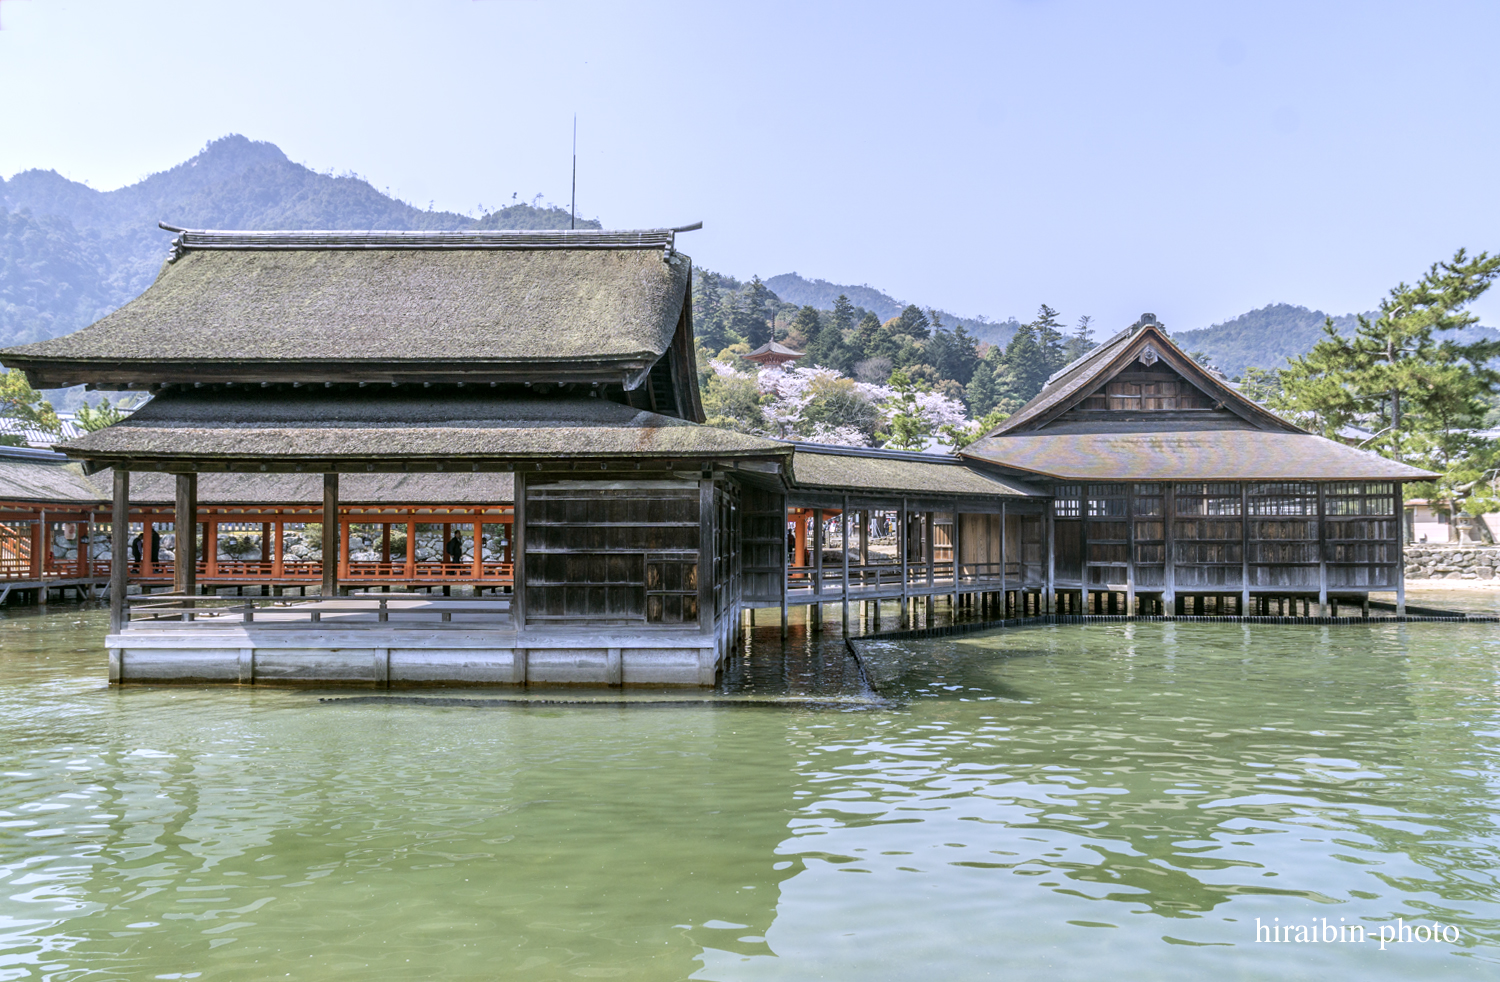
384	655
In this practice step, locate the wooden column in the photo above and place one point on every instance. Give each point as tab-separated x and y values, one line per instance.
707	544
211	547
1322	552
38	542
1244	548
411	548
148	538
185	519
1049	529
119	550
1169	574
385	542
785	571
85	547
1003	598
344	550
447	534
278	569
479	552
817	565
330	534
518	536
902	545
1397	516
265	542
844	553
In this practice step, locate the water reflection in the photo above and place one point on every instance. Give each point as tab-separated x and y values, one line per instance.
1121	800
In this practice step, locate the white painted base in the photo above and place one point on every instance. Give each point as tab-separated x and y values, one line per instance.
384	656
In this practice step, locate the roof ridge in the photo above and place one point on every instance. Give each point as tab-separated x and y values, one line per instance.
345	239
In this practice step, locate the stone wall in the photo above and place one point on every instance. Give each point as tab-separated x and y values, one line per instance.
1451	562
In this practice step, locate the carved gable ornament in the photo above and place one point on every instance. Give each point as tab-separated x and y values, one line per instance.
1149	356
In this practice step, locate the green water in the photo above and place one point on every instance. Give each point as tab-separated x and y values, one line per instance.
1109	802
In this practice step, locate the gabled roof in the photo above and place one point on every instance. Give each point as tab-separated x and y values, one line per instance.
1238	440
287	429
45	477
861	471
562	306
1075	382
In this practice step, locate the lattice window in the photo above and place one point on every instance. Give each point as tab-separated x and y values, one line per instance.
1107	500
1067	501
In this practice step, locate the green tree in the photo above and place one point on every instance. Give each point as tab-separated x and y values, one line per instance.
959	437
907	425
1405	374
20	402
709	322
1022	368
913	322
809	324
757	314
1049	339
93	418
1080	342
982	394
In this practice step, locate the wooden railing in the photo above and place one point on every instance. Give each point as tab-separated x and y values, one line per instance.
302	571
408	610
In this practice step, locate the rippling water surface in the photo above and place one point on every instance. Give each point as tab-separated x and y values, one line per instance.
1121	802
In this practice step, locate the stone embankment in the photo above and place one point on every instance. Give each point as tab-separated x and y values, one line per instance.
1451	562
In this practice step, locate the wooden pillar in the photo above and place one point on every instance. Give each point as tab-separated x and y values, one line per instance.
265	542
1050	528
148	538
708	519
1398	507
844	554
385	542
185	565
119	551
330	534
518	536
902	546
1322	551
411	548
1003	598
343	550
278	569
817	580
785	571
38	543
1168	518
85	547
1130	549
211	547
479	552
1244	546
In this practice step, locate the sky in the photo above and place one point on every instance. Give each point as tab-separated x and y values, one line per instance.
1193	160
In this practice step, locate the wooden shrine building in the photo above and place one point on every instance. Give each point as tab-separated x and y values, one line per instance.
1172	492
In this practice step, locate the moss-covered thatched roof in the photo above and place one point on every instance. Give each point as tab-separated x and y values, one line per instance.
404	307
388	429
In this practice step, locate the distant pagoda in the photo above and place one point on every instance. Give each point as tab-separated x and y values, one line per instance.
773	353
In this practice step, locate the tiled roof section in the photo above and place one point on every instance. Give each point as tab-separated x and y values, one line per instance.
864	474
283	428
773	348
1236	453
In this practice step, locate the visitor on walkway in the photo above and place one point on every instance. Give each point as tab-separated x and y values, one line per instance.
455	548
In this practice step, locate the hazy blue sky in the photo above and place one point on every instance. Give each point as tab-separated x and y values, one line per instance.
1191	159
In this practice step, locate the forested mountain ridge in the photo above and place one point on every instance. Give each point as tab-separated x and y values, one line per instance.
1272	335
802	292
70	254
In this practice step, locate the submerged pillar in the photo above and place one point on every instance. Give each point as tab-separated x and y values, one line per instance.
185	563
119	551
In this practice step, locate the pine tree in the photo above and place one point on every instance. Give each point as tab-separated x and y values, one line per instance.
1023	368
912	321
757	313
981	394
1422	391
1081	341
1049	339
809	324
709	323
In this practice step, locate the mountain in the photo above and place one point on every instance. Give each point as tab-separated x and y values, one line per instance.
70	254
1267	337
795	289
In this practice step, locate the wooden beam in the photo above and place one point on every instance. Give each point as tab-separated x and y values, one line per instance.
708	518
119	551
518	561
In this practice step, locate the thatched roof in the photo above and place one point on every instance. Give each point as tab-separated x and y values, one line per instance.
44	477
1138	451
389	429
496	306
865	471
